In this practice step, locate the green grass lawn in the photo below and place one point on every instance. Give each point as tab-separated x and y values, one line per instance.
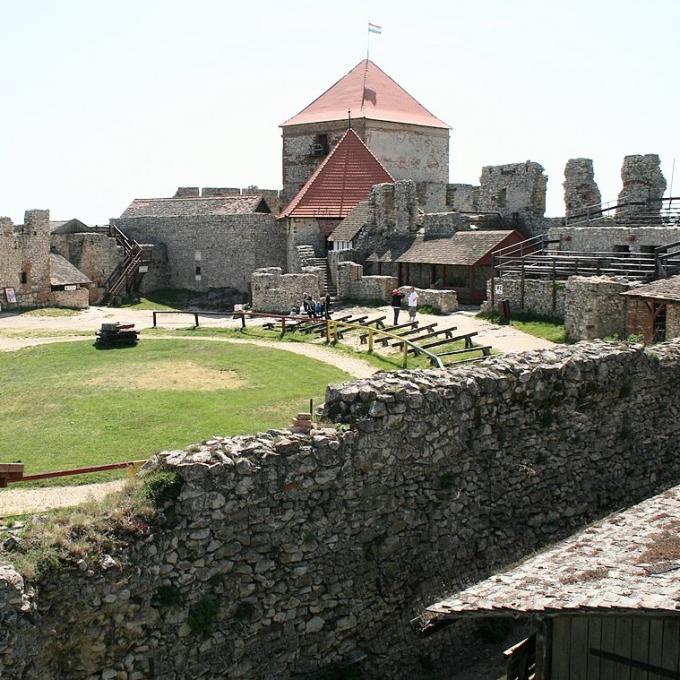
50	311
69	405
538	326
164	299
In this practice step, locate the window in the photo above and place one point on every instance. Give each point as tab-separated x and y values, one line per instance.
198	270
320	145
23	277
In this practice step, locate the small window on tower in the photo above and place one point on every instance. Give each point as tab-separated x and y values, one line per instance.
198	270
320	145
23	277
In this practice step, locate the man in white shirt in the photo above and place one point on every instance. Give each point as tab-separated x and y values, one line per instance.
412	304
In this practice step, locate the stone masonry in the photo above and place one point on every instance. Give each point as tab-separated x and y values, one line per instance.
642	181
353	285
441	300
595	307
580	189
278	293
24	258
308	552
541	297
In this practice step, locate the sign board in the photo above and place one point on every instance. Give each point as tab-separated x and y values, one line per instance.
70	287
143	268
498	289
10	296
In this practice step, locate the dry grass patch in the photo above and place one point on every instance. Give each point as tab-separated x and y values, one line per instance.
168	375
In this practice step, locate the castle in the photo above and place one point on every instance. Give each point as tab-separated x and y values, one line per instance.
364	179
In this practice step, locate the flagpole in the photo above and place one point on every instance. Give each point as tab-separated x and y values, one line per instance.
368	44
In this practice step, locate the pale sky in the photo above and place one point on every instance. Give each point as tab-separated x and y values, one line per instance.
103	102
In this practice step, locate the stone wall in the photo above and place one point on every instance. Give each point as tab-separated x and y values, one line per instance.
305	231
444	301
642	181
580	189
605	236
299	551
595	308
24	255
335	257
514	189
275	292
463	197
533	296
225	249
79	298
353	285
96	255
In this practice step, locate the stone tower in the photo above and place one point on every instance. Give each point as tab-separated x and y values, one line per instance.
403	135
580	189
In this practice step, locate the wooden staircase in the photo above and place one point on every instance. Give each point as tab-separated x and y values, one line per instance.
126	277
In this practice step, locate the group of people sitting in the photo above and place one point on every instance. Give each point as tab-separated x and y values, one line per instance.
314	309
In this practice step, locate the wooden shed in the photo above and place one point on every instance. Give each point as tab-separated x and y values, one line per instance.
654	310
604	603
461	262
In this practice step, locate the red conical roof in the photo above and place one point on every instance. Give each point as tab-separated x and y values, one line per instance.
368	92
340	182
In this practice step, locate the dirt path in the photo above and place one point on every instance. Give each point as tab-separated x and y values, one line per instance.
24	501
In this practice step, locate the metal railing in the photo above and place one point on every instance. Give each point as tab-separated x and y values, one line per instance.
653	211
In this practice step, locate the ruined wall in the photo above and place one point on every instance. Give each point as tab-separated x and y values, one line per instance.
594	238
535	296
580	189
595	308
312	549
25	249
444	301
353	285
96	255
275	292
463	197
79	298
226	249
515	189
642	181
305	231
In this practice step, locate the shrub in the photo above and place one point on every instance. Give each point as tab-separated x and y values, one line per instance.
202	614
162	487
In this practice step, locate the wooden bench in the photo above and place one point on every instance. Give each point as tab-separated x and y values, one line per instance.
378	321
447	332
484	349
466	337
413	325
320	326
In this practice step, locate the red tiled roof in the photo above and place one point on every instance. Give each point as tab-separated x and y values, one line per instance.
368	92
340	182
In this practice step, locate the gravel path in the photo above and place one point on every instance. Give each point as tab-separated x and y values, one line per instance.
24	501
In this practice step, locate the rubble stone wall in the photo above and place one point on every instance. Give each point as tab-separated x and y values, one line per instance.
275	292
77	299
226	249
595	308
642	181
444	301
580	189
353	285
289	552
25	249
533	296
605	237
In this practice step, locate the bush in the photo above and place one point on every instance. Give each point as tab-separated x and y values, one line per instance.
162	487
202	615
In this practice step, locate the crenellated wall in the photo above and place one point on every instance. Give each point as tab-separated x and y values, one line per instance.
287	553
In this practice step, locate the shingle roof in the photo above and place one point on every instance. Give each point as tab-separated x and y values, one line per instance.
189	207
463	248
368	92
352	224
629	562
340	182
63	273
663	289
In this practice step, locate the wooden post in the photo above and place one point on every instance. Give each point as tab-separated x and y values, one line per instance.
370	340
154	319
195	320
243	320
405	352
283	326
328	331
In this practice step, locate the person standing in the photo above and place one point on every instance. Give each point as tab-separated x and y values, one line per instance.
397	297
412	304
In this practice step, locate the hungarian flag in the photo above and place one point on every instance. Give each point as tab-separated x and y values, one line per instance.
374	28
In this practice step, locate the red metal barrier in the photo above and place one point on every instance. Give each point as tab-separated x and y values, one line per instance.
13	473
